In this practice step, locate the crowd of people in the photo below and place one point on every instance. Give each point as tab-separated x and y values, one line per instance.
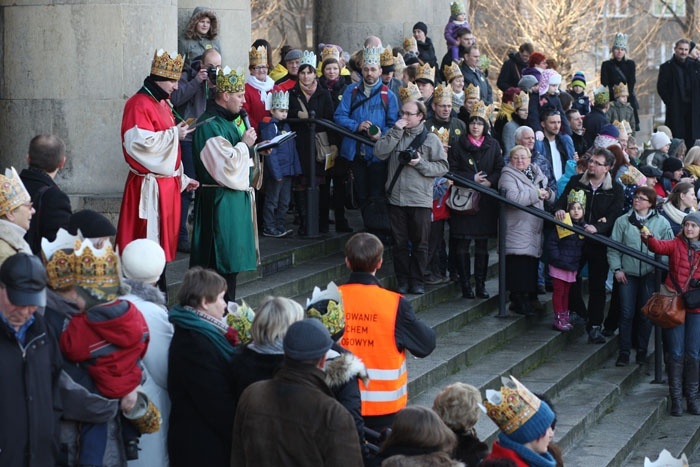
111	375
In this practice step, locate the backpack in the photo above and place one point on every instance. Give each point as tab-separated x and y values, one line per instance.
383	93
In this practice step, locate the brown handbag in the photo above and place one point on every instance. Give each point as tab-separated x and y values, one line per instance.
666	308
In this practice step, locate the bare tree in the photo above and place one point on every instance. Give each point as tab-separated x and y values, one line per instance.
282	21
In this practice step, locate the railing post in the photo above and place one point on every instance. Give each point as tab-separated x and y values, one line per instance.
312	190
502	312
658	342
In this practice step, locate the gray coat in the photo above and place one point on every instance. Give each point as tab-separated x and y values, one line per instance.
414	187
523	230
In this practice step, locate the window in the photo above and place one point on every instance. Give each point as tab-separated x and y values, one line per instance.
616	8
667	8
658	54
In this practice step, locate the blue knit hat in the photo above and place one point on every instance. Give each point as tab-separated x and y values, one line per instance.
307	339
579	79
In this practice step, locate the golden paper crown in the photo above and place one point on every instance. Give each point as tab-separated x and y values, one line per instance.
371	56
426	72
621	90
59	259
521	100
228	80
472	92
386	58
97	270
442	94
622	128
409	43
409	93
443	134
512	407
457	8
330	51
451	71
165	66
13	194
480	110
240	317
399	65
308	58
257	56
576	196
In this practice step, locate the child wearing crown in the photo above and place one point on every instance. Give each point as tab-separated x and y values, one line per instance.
458	20
620	109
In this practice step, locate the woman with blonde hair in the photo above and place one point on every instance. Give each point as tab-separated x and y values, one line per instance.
692	162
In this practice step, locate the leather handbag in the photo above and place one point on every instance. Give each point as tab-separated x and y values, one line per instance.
464	200
324	148
665	309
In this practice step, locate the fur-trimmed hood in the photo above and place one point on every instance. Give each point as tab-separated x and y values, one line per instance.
607	182
146	292
344	368
200	12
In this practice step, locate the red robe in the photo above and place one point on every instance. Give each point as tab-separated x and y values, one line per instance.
254	106
143	114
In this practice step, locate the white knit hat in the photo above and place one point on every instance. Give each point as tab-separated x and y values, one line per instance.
659	140
143	260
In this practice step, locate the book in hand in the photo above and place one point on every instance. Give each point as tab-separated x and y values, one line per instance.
563	232
276	141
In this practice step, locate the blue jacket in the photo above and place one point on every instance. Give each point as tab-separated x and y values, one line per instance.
283	161
565	253
566	150
371	109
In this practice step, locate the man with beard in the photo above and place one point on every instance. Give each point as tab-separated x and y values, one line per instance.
577	131
291	62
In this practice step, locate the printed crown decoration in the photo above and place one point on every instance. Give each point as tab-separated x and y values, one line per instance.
240	317
451	71
228	80
59	259
409	93
521	100
480	110
443	134
308	58
410	44
166	66
457	8
399	65
442	94
327	305
330	51
371	56
13	194
621	89
426	72
666	459
386	58
620	41
258	56
601	95
97	270
277	100
472	92
576	196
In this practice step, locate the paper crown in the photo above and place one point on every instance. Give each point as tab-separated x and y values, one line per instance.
240	317
426	72
521	100
601	95
372	56
330	51
666	459
472	92
13	194
442	94
409	43
457	8
576	196
480	110
97	270
399	64
257	56
327	305
621	89
277	100
386	58
308	58
451	71
228	80
165	66
623	127
620	41
443	134
409	92
59	259
519	414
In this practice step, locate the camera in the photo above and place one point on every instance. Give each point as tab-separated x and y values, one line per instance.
407	155
211	73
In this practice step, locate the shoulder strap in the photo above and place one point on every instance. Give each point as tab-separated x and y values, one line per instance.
415	144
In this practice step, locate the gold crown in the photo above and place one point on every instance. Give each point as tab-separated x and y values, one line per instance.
409	43
426	72
576	196
330	51
512	407
370	56
59	259
409	93
621	90
327	306
472	92
97	270
257	56
480	110
386	58
13	194
622	128
399	64
451	71
442	94
521	100
165	66
228	80
443	134
457	8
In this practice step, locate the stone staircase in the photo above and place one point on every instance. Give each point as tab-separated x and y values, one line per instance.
606	416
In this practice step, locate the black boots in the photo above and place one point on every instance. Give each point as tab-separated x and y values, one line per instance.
300	204
690	385
675	386
481	262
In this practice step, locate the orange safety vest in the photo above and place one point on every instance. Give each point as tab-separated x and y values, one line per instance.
370	322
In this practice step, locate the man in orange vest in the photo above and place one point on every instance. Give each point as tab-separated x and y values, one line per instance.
380	326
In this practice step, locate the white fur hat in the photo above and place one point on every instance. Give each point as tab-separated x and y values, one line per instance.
143	260
659	140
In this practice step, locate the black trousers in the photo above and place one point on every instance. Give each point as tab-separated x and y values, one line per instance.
410	227
595	256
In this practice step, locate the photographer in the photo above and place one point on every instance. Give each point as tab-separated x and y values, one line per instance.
416	157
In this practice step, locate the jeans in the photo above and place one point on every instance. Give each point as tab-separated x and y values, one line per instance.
684	340
410	227
277	196
633	296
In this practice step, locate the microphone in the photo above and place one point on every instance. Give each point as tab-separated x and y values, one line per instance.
246	119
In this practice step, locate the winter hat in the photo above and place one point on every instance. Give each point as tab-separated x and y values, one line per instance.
579	79
307	339
548	77
422	26
675	145
294	54
527	82
650	171
671	165
659	140
24	279
692	217
91	224
143	260
607	136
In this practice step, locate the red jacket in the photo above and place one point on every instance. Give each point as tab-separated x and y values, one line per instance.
679	265
499	452
111	338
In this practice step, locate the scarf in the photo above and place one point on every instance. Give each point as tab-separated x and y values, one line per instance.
152	89
675	214
263	86
308	90
476	142
506	111
275	348
529	173
530	457
213	329
330	83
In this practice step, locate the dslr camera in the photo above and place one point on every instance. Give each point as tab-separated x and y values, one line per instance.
407	155
211	73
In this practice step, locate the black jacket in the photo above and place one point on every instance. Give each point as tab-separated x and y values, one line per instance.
53	209
426	52
564	253
511	72
593	123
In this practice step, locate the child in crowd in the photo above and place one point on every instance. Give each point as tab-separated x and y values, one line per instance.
620	109
458	20
564	249
578	93
437	251
281	165
661	144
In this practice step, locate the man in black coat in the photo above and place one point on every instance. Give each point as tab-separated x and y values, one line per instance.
512	69
597	117
677	85
465	39
472	73
47	155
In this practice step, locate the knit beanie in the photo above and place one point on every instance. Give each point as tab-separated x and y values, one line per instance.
91	224
527	82
579	79
692	217
422	26
607	136
672	164
307	339
143	260
659	140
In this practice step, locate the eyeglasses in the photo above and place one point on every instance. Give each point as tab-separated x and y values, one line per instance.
640	198
408	114
477	123
260	67
595	162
